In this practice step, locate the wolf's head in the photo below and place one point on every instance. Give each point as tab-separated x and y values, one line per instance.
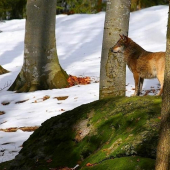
120	45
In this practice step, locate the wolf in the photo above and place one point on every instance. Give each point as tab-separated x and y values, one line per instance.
143	64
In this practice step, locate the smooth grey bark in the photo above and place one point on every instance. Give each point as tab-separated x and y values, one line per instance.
163	148
41	69
113	69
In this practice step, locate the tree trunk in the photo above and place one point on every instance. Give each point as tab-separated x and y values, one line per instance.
113	68
3	71
41	69
99	5
163	148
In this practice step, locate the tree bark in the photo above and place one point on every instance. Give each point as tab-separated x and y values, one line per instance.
163	148
113	68
3	71
41	69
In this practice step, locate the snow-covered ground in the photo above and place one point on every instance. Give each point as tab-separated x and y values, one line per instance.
79	43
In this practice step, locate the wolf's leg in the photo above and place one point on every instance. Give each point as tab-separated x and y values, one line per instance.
161	81
137	88
140	84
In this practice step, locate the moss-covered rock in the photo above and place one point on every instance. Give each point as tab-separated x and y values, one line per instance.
119	133
124	163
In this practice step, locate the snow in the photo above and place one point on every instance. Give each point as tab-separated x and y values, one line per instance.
79	42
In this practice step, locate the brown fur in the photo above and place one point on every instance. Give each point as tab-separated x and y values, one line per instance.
143	64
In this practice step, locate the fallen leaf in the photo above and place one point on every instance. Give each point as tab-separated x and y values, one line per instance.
2	112
147	92
5	103
61	97
22	101
46	97
73	80
153	90
25	129
89	164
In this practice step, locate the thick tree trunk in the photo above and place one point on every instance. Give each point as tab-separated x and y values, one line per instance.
3	71
163	148
41	69
113	69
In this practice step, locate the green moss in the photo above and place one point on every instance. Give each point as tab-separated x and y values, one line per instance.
60	79
117	127
124	163
4	165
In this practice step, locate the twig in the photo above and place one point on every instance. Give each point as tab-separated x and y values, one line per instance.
75	167
5	86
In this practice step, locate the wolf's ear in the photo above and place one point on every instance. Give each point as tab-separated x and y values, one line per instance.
125	37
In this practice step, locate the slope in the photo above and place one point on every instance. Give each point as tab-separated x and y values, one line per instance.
120	133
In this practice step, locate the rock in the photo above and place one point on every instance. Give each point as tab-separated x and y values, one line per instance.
101	133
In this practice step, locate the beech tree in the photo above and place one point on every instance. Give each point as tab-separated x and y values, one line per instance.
163	148
113	68
41	69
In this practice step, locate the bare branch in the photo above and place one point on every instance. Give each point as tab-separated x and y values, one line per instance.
8	84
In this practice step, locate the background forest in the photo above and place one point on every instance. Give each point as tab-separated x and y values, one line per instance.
10	9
